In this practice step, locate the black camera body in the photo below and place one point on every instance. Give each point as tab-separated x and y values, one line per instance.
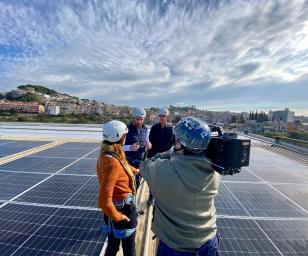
227	152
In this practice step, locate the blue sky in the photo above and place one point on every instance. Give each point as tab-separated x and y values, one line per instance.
217	55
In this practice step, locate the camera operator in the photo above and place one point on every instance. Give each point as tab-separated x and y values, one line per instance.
184	186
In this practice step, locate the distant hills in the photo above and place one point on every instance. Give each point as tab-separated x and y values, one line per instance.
38	88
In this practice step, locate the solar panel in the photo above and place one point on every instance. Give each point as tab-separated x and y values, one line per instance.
244	237
55	191
226	203
93	155
244	175
247	207
290	237
19	146
273	173
86	196
298	193
12	184
79	145
36	164
300	172
35	230
3	142
64	152
263	201
83	166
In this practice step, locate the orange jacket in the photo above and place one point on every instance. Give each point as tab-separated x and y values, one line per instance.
113	184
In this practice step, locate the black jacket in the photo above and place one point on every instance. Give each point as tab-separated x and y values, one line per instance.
162	139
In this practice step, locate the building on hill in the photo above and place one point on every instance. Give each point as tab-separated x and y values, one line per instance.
21	107
53	110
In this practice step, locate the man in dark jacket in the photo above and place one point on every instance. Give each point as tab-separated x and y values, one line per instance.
137	140
161	138
161	135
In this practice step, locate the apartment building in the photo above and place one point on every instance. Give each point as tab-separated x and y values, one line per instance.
22	107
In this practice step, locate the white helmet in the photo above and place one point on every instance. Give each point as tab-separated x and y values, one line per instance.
139	112
163	111
114	130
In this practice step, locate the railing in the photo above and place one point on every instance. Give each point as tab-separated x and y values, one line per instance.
298	143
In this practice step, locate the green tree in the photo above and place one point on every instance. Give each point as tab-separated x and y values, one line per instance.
30	97
233	119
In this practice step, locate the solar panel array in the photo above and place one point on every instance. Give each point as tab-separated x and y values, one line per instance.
48	201
264	209
48	204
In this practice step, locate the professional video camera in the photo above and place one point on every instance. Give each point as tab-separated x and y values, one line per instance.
226	152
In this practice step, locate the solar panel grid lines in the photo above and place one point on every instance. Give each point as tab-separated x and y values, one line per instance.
82	194
290	237
52	205
246	210
11	184
84	166
226	204
244	237
87	195
50	230
67	231
261	200
56	190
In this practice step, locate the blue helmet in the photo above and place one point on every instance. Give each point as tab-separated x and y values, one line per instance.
193	134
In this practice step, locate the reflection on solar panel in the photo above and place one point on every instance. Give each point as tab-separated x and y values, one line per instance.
79	145
36	164
34	230
297	192
272	173
4	142
9	148
242	176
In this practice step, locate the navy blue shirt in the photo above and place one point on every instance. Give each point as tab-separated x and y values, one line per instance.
136	135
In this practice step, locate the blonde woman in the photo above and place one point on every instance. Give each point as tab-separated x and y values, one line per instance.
117	190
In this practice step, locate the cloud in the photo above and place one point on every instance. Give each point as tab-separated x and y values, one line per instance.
157	52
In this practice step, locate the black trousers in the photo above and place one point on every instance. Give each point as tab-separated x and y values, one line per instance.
128	243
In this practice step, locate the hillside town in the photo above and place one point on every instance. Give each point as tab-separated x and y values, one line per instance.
30	100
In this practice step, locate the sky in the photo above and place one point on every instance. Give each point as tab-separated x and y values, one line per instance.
217	55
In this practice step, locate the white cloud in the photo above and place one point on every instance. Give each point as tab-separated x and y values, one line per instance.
159	54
